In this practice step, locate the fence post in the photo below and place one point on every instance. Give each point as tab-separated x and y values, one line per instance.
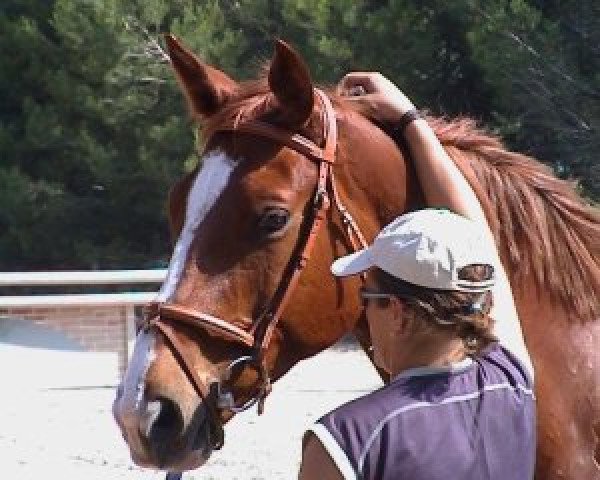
129	330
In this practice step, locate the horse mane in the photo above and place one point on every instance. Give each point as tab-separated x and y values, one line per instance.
546	229
251	100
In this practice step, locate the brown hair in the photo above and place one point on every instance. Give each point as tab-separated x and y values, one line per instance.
465	313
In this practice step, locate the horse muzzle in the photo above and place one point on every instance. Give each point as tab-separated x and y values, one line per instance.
160	435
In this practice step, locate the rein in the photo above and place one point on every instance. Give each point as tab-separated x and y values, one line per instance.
258	337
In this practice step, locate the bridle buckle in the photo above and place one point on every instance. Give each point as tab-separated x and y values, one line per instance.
225	399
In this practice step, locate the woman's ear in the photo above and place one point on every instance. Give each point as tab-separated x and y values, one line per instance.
402	316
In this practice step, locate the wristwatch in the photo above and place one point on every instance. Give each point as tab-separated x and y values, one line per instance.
405	120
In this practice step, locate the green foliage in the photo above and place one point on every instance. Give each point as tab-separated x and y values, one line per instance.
93	129
542	60
88	144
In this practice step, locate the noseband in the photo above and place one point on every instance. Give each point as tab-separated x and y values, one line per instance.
258	337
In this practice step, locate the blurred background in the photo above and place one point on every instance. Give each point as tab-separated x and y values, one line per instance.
93	129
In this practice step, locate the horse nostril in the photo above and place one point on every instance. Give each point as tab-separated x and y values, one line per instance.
162	421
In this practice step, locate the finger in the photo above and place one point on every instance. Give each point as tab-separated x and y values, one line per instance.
355	79
366	102
355	91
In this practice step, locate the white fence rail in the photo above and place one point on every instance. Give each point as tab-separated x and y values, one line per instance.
97	321
105	277
82	278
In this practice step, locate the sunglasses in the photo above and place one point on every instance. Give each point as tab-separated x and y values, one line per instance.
383	299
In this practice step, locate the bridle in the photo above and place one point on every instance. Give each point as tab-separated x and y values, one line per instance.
258	337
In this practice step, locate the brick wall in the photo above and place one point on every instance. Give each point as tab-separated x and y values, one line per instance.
94	328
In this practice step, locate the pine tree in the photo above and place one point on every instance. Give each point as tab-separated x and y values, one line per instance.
93	129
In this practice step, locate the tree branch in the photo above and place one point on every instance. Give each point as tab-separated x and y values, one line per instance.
152	48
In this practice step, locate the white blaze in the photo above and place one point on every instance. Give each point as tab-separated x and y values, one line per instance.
207	187
135	376
209	184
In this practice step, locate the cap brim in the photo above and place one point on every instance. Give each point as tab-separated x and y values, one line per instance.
352	264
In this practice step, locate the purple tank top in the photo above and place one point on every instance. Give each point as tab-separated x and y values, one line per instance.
475	421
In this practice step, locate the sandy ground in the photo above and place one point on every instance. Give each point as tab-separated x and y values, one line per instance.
69	434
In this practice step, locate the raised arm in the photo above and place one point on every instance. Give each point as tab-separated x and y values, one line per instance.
443	186
442	182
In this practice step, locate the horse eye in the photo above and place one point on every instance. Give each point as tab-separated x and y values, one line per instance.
272	220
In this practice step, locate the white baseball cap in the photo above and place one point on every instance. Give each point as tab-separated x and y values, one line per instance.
427	248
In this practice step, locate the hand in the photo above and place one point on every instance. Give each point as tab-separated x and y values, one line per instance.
379	98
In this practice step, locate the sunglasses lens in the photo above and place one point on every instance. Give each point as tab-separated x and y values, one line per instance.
383	302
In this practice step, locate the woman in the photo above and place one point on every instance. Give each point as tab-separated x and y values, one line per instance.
443	324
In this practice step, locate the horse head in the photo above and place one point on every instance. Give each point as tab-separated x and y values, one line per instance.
243	219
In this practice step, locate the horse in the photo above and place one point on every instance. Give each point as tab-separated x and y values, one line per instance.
292	178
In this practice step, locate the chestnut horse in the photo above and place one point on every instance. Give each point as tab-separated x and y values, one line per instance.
253	205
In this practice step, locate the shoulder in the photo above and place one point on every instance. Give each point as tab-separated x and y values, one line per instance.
336	443
497	364
356	420
319	463
351	434
451	404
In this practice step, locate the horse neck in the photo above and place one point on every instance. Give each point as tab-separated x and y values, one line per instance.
546	235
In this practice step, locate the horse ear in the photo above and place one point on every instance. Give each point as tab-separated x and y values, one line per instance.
206	88
289	80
